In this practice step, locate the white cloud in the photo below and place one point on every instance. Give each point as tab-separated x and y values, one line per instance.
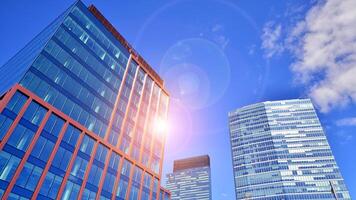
346	122
271	39
323	44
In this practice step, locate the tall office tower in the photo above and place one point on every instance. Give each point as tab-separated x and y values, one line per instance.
190	179
279	151
79	115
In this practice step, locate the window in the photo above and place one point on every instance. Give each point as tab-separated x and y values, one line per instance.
21	137
8	165
42	149
71	191
79	167
62	158
29	176
118	119
5	124
51	185
121	107
125	144
71	135
135	153
145	158
126	168
137	175
88	195
35	113
145	195
87	145
113	137
155	188
147	180
101	153
95	175
16	102
122	189
134	193
54	125
114	161
109	182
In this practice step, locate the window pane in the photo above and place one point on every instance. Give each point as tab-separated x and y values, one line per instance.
16	102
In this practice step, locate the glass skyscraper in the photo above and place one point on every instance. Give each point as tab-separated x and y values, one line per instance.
191	179
78	108
280	151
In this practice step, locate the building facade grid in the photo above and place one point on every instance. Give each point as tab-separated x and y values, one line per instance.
280	151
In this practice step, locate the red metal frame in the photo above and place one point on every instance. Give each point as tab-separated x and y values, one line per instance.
68	120
27	154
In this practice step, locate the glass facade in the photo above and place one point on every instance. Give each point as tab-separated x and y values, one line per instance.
77	123
191	179
280	151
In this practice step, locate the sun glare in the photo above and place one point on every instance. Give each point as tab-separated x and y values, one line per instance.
161	126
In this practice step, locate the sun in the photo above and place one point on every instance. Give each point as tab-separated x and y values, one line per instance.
161	126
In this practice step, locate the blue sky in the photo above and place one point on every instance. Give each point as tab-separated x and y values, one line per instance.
217	56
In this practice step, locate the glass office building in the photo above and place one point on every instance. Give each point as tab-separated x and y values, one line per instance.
78	108
280	151
191	179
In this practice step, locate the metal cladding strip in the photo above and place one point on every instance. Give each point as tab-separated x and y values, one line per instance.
71	163
127	109
118	176
145	130
145	121
6	98
151	188
128	189
124	124
156	115
88	168
17	119
140	190
118	97
49	162
27	154
141	186
164	141
103	174
137	114
152	143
